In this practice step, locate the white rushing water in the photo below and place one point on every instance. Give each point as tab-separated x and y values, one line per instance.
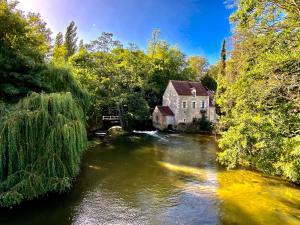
154	133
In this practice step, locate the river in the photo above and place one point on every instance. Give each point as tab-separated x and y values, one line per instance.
163	179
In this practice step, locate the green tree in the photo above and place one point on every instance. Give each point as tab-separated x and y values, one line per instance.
261	122
120	79
59	50
71	40
209	82
104	43
168	63
199	65
223	59
154	42
59	40
112	75
41	142
222	77
213	71
43	135
81	45
24	46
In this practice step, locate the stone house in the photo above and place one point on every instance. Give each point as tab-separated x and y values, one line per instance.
184	101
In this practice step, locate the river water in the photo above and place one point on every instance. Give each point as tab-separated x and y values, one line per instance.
162	179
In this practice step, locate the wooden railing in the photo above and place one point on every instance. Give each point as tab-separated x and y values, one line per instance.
111	118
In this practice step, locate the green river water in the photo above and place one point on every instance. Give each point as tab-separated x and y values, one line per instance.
162	179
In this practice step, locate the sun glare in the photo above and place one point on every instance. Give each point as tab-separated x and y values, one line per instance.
28	5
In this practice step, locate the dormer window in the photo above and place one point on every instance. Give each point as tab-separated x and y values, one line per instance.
194	93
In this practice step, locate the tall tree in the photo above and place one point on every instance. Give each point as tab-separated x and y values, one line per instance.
223	59
104	43
81	45
59	50
59	40
199	65
71	39
221	79
154	42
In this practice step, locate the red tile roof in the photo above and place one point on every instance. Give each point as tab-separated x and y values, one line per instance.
185	88
165	110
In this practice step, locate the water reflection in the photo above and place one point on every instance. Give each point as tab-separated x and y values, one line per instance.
172	179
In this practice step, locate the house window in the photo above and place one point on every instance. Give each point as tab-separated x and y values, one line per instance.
194	94
194	105
184	105
202	104
184	120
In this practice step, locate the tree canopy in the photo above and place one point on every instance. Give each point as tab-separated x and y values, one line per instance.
42	112
260	101
125	80
24	45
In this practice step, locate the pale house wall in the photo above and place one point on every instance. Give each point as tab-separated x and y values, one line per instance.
212	114
170	98
161	122
156	118
174	101
169	121
189	113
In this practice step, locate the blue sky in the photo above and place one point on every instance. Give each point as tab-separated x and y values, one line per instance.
197	27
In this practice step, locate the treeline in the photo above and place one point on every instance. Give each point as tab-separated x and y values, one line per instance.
127	81
49	95
258	89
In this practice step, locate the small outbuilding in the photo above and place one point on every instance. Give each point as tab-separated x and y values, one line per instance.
163	118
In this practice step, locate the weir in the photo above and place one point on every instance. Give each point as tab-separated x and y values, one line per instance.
154	133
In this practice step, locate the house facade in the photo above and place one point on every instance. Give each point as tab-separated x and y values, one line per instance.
184	101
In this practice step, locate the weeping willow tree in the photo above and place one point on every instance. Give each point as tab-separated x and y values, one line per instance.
41	142
61	79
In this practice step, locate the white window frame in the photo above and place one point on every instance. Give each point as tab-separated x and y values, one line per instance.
194	94
194	105
182	104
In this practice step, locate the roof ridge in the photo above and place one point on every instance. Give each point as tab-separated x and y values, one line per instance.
187	81
184	87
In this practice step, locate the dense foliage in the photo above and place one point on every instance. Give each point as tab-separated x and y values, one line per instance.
126	81
41	141
259	90
42	135
24	44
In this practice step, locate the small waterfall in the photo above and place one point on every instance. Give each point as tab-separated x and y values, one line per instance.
154	133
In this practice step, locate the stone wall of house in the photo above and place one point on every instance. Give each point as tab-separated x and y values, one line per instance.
170	98
186	115
156	118
212	114
161	122
169	121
